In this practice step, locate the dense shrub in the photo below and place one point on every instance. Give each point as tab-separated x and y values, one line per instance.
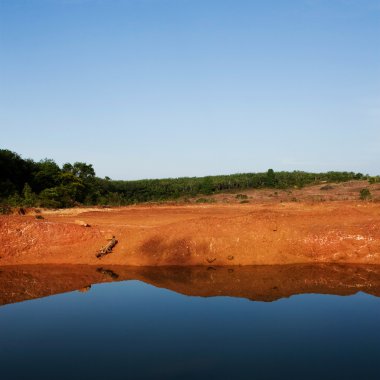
365	194
5	209
205	200
241	196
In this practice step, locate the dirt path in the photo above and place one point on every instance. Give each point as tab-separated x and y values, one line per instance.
234	234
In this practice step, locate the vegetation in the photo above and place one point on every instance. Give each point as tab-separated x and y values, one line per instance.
45	184
327	187
365	194
205	200
5	209
374	179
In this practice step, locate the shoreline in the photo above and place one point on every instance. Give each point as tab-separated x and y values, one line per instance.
265	283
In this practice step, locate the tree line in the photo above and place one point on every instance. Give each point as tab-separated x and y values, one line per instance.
24	182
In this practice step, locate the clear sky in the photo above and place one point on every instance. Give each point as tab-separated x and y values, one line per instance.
168	88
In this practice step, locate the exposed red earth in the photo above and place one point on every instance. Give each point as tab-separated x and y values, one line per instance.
263	232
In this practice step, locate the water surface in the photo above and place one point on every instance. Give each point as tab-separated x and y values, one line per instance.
131	329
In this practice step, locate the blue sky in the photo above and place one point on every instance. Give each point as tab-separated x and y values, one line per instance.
168	88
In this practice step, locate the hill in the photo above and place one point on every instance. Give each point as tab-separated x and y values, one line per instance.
26	183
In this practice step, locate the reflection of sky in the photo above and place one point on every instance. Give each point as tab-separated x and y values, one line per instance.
197	87
130	329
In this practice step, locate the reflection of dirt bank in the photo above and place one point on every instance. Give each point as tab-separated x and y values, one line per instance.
259	283
282	233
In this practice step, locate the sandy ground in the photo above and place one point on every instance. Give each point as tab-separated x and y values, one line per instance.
258	283
219	234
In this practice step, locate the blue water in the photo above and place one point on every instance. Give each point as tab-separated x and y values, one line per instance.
131	330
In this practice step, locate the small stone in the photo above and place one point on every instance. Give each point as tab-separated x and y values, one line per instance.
82	223
85	289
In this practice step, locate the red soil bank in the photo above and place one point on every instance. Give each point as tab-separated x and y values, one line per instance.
212	235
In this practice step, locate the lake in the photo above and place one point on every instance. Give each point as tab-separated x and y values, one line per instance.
289	322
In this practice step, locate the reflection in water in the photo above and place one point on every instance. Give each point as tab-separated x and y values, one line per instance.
258	283
131	330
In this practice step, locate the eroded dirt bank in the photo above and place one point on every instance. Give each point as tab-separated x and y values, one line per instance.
258	283
212	235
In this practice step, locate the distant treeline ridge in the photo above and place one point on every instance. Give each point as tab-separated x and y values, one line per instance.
24	182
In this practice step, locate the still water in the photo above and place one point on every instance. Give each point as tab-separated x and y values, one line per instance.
134	330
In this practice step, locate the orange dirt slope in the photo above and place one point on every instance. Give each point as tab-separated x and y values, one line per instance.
211	235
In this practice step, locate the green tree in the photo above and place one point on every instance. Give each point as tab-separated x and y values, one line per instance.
29	198
46	175
80	170
271	178
14	172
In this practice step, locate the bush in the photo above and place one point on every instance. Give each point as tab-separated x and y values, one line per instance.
365	194
373	180
15	200
326	187
205	200
5	209
55	197
30	198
